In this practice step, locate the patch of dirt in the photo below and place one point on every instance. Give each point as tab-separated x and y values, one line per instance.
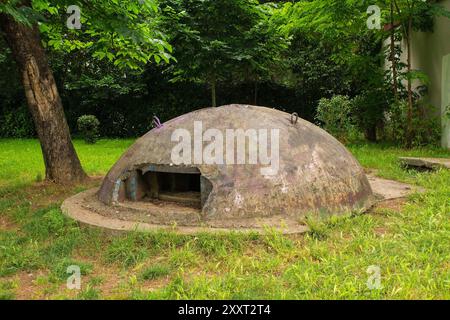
370	171
45	193
110	276
6	224
41	195
381	231
391	204
114	280
395	205
27	288
152	285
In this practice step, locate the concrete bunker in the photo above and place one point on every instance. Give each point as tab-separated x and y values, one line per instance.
314	173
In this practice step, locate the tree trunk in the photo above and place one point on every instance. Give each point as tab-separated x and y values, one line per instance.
371	133
61	161
410	93
213	93
394	66
255	96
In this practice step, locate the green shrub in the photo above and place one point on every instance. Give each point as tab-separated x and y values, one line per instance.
426	127
369	111
16	122
88	126
335	115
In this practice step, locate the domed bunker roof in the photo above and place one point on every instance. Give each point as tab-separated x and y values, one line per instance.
235	166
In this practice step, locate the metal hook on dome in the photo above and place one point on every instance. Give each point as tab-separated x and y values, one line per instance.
156	122
294	118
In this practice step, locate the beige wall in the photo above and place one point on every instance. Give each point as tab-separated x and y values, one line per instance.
429	51
445	102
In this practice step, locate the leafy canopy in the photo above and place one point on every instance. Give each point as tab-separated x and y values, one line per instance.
125	32
215	40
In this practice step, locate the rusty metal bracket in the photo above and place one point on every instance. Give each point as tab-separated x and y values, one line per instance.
294	118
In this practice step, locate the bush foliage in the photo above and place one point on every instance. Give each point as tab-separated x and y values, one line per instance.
335	115
268	55
88	126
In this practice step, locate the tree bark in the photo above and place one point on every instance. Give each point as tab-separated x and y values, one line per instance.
213	93
61	161
255	95
371	133
409	129
394	66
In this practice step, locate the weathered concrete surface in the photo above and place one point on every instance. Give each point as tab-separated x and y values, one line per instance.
83	208
316	172
130	216
385	189
427	163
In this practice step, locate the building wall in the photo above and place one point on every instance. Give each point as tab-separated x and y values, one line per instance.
446	102
431	54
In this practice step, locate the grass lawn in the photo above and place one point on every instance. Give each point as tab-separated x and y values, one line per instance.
408	240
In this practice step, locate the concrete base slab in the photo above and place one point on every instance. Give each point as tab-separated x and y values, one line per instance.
426	163
385	189
75	208
86	209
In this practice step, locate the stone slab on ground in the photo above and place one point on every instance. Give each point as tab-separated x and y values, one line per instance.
427	163
385	189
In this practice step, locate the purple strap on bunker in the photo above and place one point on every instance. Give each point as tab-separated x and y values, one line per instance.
156	122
